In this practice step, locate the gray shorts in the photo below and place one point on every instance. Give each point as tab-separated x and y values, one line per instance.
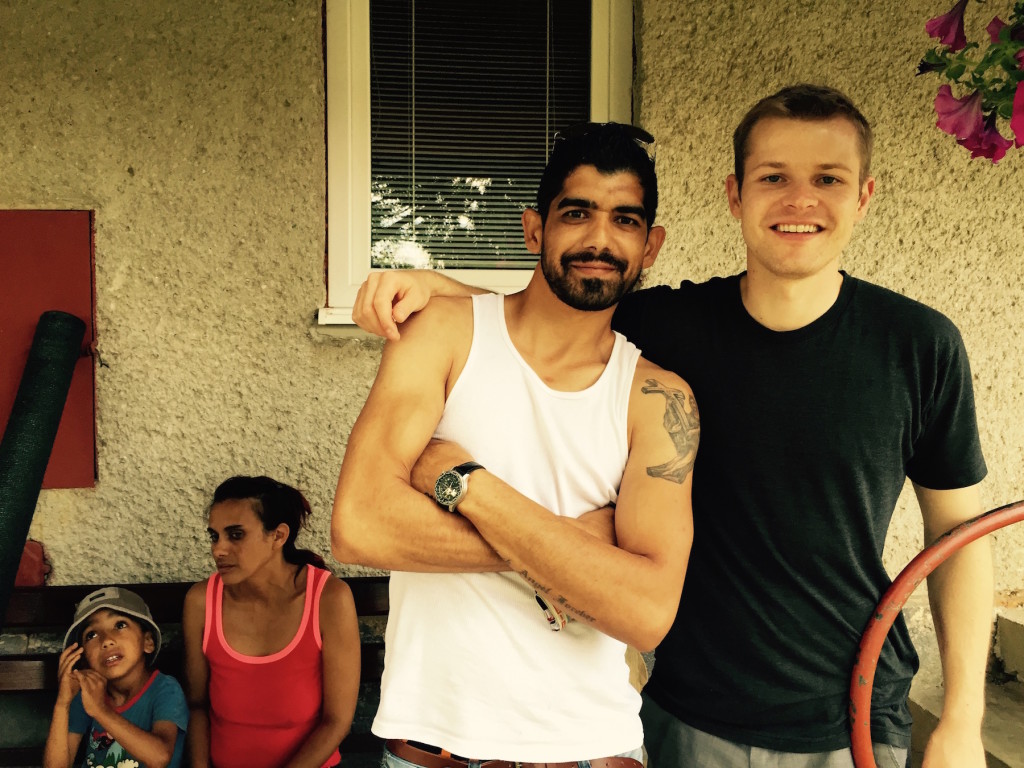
671	743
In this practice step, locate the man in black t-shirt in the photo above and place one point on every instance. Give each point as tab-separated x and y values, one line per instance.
820	394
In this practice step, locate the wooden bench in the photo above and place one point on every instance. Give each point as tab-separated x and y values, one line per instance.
38	617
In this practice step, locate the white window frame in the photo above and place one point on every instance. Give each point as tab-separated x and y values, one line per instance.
348	141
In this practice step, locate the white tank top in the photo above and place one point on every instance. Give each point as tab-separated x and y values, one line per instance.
471	664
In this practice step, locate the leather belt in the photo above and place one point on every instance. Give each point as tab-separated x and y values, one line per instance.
442	759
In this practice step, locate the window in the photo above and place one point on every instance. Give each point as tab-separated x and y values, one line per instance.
419	175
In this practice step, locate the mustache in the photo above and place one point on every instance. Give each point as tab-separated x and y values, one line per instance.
605	257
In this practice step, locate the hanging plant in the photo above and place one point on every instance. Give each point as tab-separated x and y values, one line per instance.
985	97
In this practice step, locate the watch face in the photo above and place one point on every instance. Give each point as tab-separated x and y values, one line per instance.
448	488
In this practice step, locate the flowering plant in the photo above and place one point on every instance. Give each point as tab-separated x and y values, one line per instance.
991	79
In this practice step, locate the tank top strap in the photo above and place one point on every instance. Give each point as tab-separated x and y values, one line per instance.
316	581
625	355
309	624
623	361
488	321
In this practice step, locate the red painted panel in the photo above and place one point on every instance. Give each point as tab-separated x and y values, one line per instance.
46	263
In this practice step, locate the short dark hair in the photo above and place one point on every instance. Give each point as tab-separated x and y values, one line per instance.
802	102
610	148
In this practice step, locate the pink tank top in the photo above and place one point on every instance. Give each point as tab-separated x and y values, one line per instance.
262	708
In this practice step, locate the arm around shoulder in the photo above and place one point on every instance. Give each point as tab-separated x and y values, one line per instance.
389	297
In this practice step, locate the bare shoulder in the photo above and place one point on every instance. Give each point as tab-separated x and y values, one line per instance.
435	343
337	606
196	595
445	317
651	379
194	611
336	591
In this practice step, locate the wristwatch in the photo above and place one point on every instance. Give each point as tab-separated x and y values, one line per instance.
451	485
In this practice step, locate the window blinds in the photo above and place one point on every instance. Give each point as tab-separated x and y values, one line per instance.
465	97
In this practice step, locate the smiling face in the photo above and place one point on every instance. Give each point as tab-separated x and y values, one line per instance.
238	543
115	645
595	241
801	196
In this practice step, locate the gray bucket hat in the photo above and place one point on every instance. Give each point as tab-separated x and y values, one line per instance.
117	600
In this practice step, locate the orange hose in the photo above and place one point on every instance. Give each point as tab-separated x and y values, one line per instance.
889	607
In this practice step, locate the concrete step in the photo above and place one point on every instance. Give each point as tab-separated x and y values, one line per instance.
1009	646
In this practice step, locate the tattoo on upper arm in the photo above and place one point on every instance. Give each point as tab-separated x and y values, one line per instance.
682	422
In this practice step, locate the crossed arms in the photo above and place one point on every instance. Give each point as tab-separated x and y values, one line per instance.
621	573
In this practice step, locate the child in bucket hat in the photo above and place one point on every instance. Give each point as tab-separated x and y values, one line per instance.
123	602
133	715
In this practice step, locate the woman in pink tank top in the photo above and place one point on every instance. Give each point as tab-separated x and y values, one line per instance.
271	639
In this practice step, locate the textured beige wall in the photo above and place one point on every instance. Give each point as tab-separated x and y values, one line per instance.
942	228
195	131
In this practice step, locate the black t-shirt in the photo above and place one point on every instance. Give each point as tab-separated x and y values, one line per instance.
807	438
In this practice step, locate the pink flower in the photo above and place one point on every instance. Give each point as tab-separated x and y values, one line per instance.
959	117
1019	56
949	28
1017	119
993	28
987	142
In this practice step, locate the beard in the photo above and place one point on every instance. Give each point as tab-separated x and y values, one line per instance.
590	294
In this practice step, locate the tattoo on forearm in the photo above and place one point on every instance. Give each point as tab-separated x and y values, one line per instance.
577	612
682	422
565	604
533	582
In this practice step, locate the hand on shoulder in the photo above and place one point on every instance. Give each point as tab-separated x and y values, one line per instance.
441	331
389	297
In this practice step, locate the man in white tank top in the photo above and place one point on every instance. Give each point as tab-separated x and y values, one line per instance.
526	475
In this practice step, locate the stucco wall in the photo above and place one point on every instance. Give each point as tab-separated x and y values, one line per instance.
942	228
195	131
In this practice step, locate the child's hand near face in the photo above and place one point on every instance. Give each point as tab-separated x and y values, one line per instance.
68	683
94	692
